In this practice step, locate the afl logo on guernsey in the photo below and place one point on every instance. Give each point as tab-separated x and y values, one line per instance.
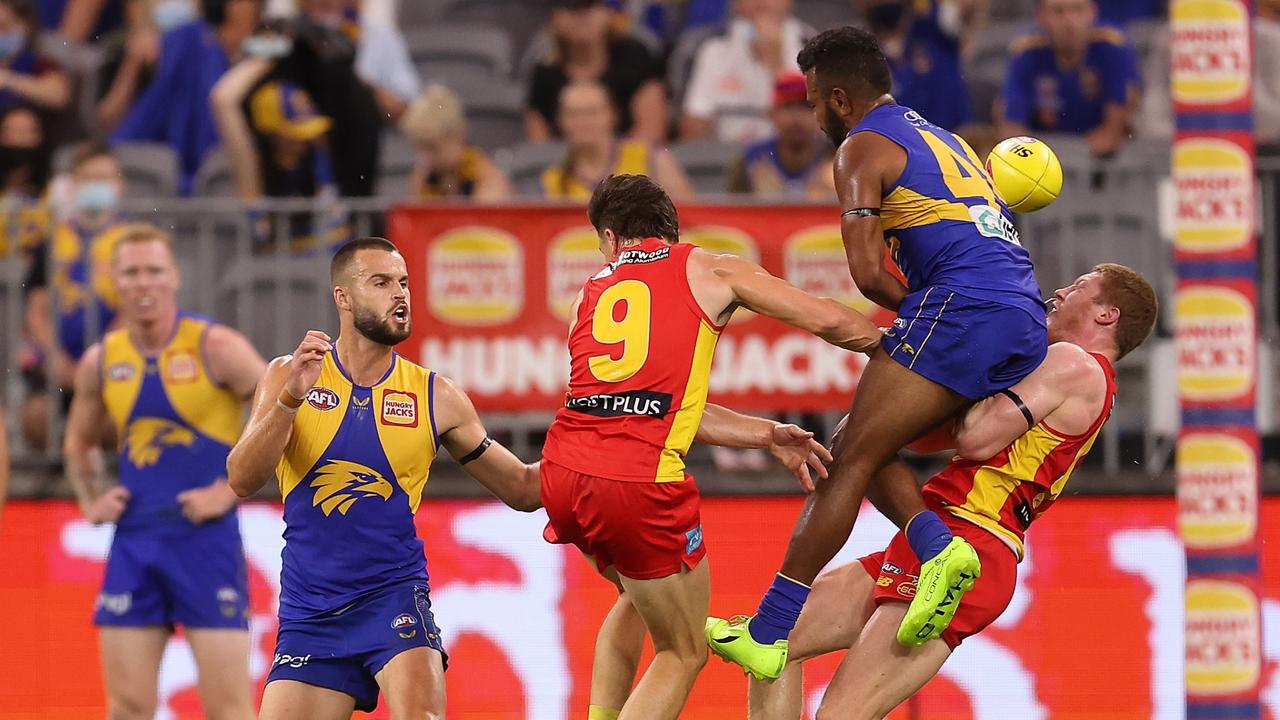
322	398
399	408
120	372
403	620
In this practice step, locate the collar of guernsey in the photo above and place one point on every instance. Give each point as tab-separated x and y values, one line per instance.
640	367
174	422
943	221
352	476
1008	491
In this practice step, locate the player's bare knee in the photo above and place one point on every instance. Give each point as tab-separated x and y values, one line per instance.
127	706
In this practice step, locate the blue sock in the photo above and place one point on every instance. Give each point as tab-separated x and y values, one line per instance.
779	610
928	535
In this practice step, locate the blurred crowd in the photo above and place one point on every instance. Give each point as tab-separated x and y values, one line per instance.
489	100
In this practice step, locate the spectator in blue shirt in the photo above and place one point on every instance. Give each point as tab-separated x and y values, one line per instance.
921	40
1072	76
1122	12
794	163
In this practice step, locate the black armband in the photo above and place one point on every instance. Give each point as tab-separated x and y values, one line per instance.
862	212
484	445
1031	420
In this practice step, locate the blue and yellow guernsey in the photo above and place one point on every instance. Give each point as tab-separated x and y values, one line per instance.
352	476
942	219
174	422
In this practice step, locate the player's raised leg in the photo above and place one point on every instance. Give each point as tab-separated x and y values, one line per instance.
413	683
222	662
674	609
878	674
130	665
831	621
294	700
617	658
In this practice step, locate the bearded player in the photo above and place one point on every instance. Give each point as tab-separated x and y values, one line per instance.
173	385
1017	450
970	323
613	475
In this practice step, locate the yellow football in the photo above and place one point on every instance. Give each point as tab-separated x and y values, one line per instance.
1026	173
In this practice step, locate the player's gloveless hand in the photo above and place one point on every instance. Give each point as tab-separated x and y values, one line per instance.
108	507
305	365
200	505
796	448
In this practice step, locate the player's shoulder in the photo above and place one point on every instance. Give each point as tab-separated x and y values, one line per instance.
1068	362
1108	35
1027	43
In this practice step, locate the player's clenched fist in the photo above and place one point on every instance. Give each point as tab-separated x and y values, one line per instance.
107	507
304	366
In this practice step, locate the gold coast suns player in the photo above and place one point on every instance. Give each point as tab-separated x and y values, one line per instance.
172	385
350	428
1016	451
614	483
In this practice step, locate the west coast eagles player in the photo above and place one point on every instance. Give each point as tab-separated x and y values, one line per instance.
173	385
350	429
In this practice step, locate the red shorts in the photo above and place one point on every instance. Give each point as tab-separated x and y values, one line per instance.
645	530
896	569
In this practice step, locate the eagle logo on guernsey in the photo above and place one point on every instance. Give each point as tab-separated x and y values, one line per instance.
340	483
148	437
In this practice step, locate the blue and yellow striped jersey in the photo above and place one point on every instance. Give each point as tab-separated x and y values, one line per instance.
84	293
175	423
942	219
352	476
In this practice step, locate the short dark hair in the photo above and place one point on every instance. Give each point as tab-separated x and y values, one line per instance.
847	57
633	207
342	259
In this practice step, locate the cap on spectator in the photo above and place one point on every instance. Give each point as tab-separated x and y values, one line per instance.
433	115
282	108
789	87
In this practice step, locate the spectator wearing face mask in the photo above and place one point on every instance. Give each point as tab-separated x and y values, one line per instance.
25	219
193	52
922	39
280	149
796	161
71	299
732	79
447	167
25	75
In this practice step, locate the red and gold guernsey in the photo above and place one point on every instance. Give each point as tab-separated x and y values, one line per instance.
640	361
1006	492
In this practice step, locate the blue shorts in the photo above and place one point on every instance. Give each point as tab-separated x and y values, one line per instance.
344	650
195	578
974	347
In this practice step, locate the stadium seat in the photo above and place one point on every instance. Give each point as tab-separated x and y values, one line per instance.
214	179
395	165
826	14
706	162
519	18
495	114
443	50
985	64
150	169
524	164
680	63
1021	10
1145	36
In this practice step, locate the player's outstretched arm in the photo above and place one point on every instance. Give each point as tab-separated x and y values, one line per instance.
742	282
514	482
790	445
82	444
866	163
252	462
994	422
